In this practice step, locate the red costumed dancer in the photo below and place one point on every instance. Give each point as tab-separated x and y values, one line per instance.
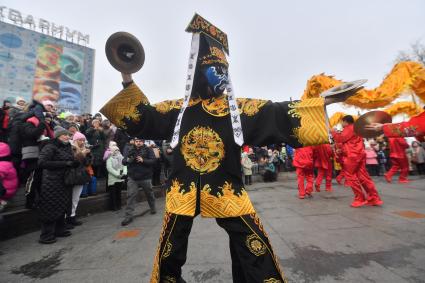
323	163
399	161
354	165
303	162
415	127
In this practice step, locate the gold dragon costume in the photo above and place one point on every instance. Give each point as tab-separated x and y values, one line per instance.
206	178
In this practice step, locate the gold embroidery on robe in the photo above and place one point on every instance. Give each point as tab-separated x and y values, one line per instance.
169	279
179	201
272	280
156	262
255	245
397	130
167	249
249	106
168	105
311	113
260	226
218	107
124	106
202	149
226	203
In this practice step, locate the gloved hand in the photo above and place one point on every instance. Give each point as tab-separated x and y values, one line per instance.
124	177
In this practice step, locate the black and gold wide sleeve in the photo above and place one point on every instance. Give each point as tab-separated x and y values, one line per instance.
297	123
130	110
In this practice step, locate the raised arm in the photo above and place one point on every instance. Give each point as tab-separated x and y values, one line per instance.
415	127
298	123
130	110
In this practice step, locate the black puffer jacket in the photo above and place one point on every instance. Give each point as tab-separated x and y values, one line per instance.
54	200
137	170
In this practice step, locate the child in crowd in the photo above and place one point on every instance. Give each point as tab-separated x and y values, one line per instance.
117	173
8	176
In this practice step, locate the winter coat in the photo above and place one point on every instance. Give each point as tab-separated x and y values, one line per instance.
115	175
30	132
55	196
4	122
371	156
98	140
13	111
8	176
246	165
419	154
137	170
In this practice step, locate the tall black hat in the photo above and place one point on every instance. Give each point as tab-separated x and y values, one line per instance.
213	42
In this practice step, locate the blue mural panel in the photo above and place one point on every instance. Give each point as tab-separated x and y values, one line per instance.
35	65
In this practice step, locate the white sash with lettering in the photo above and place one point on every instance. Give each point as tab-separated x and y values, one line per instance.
234	114
193	58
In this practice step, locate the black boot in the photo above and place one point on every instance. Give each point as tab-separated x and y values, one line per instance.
64	233
73	220
47	241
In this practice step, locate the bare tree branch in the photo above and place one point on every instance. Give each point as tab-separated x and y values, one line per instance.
416	53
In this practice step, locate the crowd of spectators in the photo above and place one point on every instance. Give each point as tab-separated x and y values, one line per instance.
378	156
39	147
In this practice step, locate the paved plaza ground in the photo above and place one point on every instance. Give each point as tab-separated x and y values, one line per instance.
317	240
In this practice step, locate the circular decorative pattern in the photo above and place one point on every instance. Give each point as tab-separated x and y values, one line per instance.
255	245
202	149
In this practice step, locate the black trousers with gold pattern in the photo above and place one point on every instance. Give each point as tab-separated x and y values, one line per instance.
253	259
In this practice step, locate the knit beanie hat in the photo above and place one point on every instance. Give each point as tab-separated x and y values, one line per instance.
59	131
114	148
19	99
78	136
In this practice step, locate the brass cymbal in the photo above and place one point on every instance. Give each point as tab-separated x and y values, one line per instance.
125	52
336	90
369	118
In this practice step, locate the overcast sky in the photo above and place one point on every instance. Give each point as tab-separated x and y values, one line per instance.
275	46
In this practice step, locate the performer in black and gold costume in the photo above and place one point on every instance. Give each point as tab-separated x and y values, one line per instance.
206	177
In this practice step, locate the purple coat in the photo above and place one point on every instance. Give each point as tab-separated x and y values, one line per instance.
8	175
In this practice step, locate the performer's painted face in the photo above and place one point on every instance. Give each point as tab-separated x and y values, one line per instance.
216	76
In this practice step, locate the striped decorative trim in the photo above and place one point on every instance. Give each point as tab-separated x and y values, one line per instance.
123	106
312	115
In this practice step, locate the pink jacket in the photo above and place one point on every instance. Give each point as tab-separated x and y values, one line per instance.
8	175
371	156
